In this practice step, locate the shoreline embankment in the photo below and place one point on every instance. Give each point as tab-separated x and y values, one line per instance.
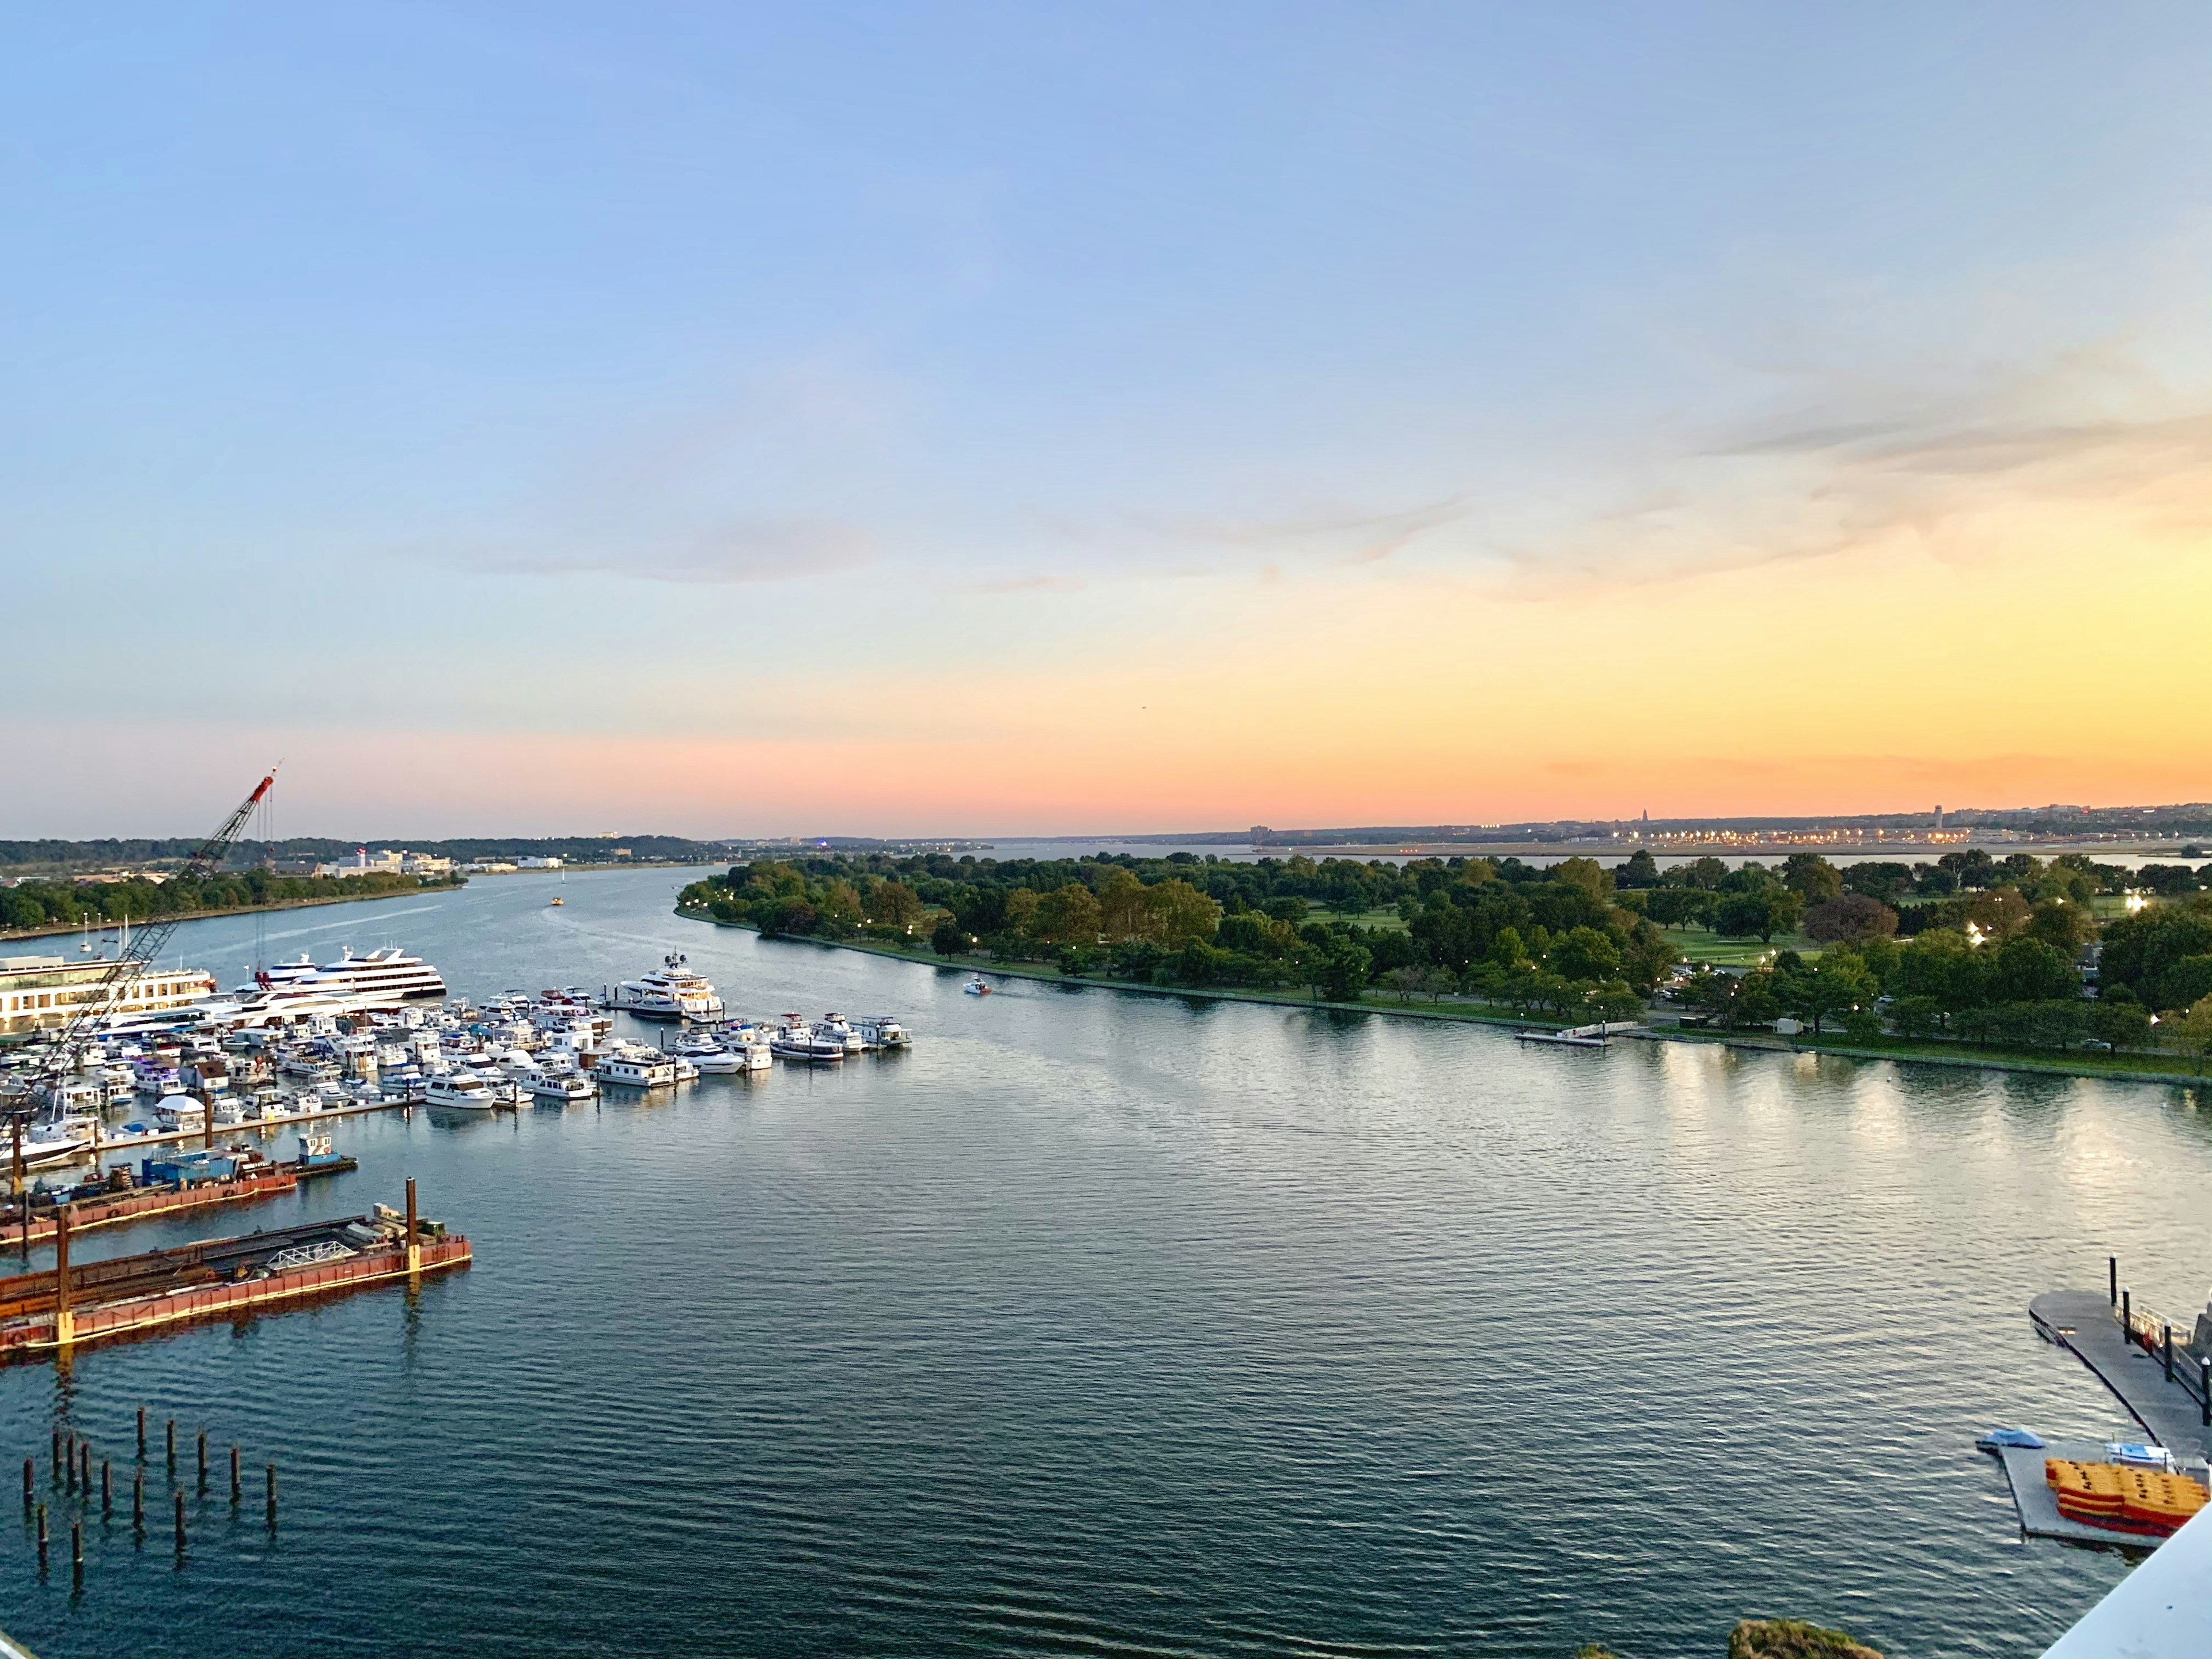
9	936
1902	1055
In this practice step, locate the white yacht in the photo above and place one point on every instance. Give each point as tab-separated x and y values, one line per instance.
562	1085
382	979
672	992
708	1056
460	1091
795	1041
834	1028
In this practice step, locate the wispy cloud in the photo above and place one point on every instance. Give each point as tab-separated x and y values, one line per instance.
759	550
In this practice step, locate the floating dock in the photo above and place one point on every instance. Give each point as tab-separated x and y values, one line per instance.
2039	1505
2169	1406
69	1306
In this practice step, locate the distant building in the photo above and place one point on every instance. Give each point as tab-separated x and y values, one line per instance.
537	864
487	867
425	864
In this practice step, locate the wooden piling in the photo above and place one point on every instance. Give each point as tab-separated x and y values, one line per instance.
414	1250
272	1497
2168	1342
42	1538
2127	1315
69	1462
54	1463
2112	1278
84	1467
142	1434
76	1550
64	1320
26	1486
173	1448
180	1520
106	1492
202	1444
139	1500
233	1476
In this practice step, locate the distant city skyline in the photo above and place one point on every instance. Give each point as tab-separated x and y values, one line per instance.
975	419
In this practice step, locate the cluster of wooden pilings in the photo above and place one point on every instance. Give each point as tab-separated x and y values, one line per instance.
71	1475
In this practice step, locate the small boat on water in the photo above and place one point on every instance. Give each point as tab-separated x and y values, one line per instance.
797	1042
977	986
632	1067
460	1091
565	1086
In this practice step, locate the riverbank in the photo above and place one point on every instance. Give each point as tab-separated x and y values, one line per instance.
58	929
2130	1068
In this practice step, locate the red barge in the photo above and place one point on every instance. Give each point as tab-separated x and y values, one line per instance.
67	1306
175	1186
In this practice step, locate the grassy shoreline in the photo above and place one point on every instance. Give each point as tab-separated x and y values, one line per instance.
9	936
2134	1068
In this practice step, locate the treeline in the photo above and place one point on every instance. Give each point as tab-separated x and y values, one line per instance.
2014	980
1542	938
52	903
1960	890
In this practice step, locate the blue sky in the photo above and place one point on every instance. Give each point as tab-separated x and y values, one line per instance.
468	401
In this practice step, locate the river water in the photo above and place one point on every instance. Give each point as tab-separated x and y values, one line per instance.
1110	1324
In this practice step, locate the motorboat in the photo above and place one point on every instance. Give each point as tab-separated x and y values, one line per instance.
796	1041
460	1091
834	1028
567	1086
977	986
60	1141
709	1057
672	992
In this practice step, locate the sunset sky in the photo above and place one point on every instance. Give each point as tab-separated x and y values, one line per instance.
935	418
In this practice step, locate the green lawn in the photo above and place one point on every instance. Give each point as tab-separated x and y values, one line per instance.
1703	944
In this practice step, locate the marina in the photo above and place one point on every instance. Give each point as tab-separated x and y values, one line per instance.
977	1283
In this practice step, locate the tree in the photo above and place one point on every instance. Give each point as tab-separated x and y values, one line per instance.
2189	1032
1641	869
1177	913
1917	1016
2120	1024
1343	971
1069	915
1812	877
1588	874
894	904
1765	913
2063	924
949	939
1121	905
1678	907
1585	953
1404	981
1999	913
1853	917
2028	971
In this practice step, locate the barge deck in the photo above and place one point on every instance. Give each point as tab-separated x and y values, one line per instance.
68	1306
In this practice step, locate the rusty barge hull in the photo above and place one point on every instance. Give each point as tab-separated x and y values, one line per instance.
98	1322
87	1214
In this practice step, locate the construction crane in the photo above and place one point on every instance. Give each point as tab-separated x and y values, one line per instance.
140	954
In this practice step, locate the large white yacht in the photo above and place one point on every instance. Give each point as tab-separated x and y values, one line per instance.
382	979
290	991
672	992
